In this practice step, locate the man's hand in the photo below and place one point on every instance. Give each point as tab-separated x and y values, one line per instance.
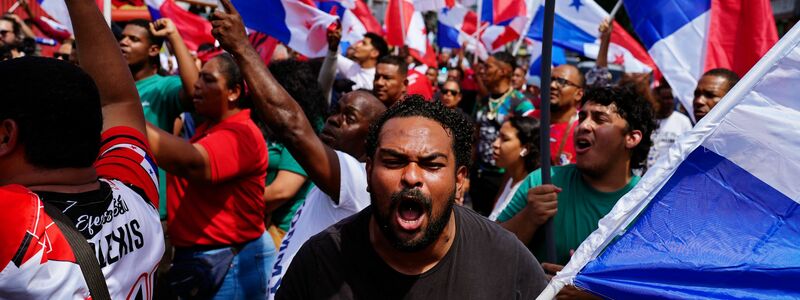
15	17
334	36
228	28
543	202
163	28
571	292
605	27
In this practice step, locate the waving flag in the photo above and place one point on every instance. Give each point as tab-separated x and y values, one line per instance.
57	9
194	30
355	16
688	37
719	216
535	50
405	26
456	25
299	25
506	21
576	28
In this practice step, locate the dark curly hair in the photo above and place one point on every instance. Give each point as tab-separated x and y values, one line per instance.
528	135
455	123
300	81
637	112
56	106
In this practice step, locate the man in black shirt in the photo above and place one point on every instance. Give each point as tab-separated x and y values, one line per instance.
412	242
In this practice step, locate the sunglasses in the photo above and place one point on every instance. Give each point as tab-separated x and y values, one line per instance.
563	81
450	92
61	56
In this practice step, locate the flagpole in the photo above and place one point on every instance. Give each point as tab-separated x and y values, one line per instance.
402	21
524	32
14	7
544	139
615	10
477	34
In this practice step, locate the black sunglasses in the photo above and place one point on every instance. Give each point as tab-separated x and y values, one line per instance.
61	56
563	81
450	92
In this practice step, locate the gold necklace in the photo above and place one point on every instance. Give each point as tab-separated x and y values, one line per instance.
495	103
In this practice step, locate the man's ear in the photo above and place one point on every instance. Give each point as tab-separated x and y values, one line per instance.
633	138
461	179
579	96
374	53
9	133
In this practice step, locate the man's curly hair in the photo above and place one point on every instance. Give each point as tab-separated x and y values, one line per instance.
456	124
636	111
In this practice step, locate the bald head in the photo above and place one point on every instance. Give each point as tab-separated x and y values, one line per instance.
571	73
346	129
566	88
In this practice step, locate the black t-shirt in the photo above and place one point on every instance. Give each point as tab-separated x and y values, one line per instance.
484	262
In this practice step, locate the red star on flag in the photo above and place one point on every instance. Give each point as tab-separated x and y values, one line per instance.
619	59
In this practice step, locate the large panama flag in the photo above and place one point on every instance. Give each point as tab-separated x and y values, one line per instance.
296	23
576	28
688	37
719	215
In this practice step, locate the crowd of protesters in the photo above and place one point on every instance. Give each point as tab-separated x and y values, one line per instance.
224	176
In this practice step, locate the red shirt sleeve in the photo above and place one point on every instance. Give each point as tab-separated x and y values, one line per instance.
125	156
233	151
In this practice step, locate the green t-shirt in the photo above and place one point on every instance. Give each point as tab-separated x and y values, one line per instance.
161	103
580	207
280	159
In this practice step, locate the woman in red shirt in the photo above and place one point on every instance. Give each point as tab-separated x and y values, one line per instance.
214	193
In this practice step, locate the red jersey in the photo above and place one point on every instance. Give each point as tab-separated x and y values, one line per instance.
120	222
418	84
558	142
229	210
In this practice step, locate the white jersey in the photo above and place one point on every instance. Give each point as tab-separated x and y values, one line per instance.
669	129
121	225
320	212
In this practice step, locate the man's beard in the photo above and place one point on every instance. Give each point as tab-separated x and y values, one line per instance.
432	232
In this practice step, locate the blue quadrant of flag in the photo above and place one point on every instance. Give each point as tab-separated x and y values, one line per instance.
700	237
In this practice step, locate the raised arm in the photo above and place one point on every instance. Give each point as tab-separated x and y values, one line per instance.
186	68
277	108
605	41
101	58
327	73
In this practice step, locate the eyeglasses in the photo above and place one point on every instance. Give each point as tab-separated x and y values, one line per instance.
561	82
61	56
450	92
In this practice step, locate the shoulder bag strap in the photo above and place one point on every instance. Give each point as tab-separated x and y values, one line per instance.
83	253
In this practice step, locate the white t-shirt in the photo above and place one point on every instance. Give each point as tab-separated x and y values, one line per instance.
363	77
508	193
669	129
319	212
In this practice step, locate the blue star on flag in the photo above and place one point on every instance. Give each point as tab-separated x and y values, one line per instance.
577	4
